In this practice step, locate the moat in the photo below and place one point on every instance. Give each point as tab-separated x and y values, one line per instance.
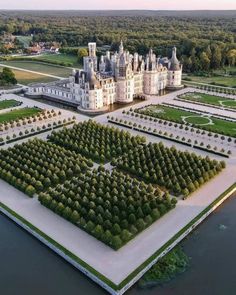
29	266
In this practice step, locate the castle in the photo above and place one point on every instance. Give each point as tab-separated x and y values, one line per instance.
118	77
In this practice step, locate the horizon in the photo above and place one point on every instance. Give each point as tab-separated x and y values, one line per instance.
102	5
153	10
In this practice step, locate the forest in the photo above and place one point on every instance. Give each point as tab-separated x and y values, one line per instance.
205	40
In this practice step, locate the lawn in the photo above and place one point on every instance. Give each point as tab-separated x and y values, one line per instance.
8	103
18	114
181	116
225	81
66	58
209	99
40	67
26	78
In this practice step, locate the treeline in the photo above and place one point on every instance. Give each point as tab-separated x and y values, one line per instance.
204	43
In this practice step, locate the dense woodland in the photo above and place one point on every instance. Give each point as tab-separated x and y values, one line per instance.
205	40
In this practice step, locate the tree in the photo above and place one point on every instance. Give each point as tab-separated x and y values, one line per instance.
231	57
7	77
216	57
75	217
30	190
116	242
82	52
205	61
98	231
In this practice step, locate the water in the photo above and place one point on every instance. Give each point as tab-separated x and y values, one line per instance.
29	268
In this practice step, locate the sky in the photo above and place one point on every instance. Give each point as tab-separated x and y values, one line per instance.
119	4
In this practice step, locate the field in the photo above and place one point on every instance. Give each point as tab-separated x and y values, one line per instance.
209	99
183	116
40	67
8	103
18	114
66	58
225	81
26	78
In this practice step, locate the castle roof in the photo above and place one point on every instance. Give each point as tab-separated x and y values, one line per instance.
174	63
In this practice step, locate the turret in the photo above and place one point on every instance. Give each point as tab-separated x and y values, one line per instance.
174	63
121	47
92	49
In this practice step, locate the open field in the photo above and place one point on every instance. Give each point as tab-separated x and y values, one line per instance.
65	58
225	81
40	67
8	103
209	99
183	116
18	114
26	78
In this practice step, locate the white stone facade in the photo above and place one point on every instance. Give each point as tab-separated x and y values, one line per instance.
118	77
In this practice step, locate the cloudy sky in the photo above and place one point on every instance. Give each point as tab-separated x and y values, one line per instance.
118	4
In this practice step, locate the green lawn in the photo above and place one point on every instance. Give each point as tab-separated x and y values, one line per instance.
209	99
67	58
225	81
8	103
18	114
40	67
26	78
180	116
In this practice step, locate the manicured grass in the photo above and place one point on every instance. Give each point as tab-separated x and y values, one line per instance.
18	114
67	58
8	103
180	116
40	67
228	81
209	99
198	120
26	78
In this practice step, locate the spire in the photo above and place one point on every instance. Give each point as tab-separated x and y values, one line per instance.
174	50
121	47
174	63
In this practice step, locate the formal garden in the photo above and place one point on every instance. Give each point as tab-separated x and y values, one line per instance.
9	103
95	141
36	165
205	98
19	114
112	207
184	116
179	172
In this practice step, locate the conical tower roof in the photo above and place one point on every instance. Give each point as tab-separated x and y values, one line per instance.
174	63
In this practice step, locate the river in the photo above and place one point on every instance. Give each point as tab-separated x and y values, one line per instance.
29	268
